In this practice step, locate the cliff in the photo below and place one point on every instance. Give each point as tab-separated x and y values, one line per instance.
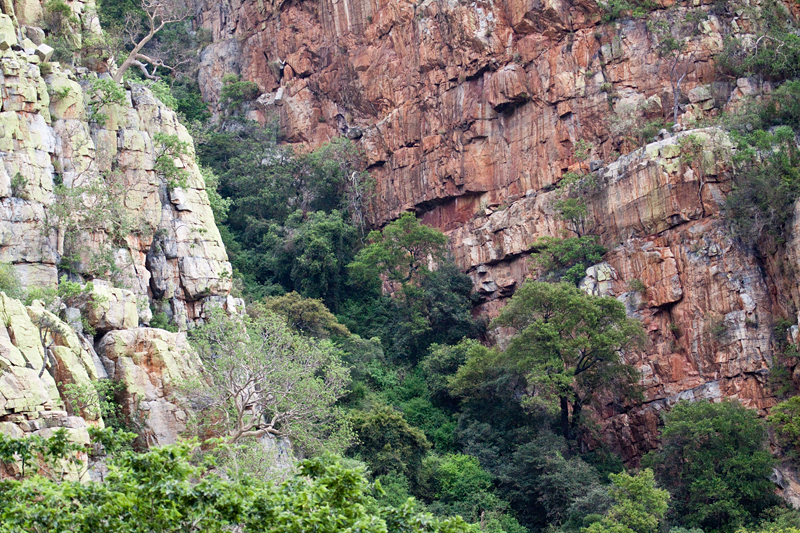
470	113
84	197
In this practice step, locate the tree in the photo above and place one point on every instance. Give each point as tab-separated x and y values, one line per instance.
264	380
567	349
714	461
157	14
638	506
306	315
430	299
566	259
460	486
785	418
388	443
402	252
310	254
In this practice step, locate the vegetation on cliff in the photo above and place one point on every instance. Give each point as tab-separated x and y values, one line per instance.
362	343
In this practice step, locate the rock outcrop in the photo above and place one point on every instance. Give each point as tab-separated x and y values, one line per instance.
80	186
470	114
152	364
84	197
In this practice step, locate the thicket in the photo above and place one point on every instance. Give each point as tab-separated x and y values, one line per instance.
774	54
766	167
179	489
715	462
497	436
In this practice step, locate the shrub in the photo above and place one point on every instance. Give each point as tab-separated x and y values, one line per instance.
714	460
785	418
766	185
235	92
617	9
163	92
9	281
18	185
775	55
103	92
566	259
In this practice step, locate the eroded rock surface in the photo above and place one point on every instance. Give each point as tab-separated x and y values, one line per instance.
82	195
470	114
53	131
152	363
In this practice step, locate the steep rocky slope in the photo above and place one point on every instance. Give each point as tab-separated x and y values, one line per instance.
469	113
81	193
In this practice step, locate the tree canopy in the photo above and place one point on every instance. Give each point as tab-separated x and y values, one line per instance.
715	463
263	379
566	350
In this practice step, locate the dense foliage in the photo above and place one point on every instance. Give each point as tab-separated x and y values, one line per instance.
362	343
173	489
715	463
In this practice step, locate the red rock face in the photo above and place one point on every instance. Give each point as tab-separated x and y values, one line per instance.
470	113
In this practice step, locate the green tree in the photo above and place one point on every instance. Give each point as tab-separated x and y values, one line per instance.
638	506
566	350
715	463
309	254
566	259
9	281
388	443
442	362
428	304
785	418
306	315
402	252
264	380
462	487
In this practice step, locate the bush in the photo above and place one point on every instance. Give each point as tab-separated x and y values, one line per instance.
103	92
775	55
785	418
9	281
388	443
715	462
617	9
566	259
235	92
766	185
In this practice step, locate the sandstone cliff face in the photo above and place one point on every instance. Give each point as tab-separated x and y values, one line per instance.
469	113
169	250
81	195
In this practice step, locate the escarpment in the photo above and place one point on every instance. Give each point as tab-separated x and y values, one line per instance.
98	184
470	115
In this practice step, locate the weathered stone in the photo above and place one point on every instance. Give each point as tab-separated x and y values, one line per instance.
151	363
44	52
8	33
111	308
35	34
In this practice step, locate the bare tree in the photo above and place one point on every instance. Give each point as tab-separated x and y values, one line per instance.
264	380
158	13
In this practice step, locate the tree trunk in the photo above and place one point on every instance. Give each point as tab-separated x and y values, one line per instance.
577	407
565	417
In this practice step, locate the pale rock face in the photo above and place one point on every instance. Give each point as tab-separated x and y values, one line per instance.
38	130
30	400
171	253
152	363
111	308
